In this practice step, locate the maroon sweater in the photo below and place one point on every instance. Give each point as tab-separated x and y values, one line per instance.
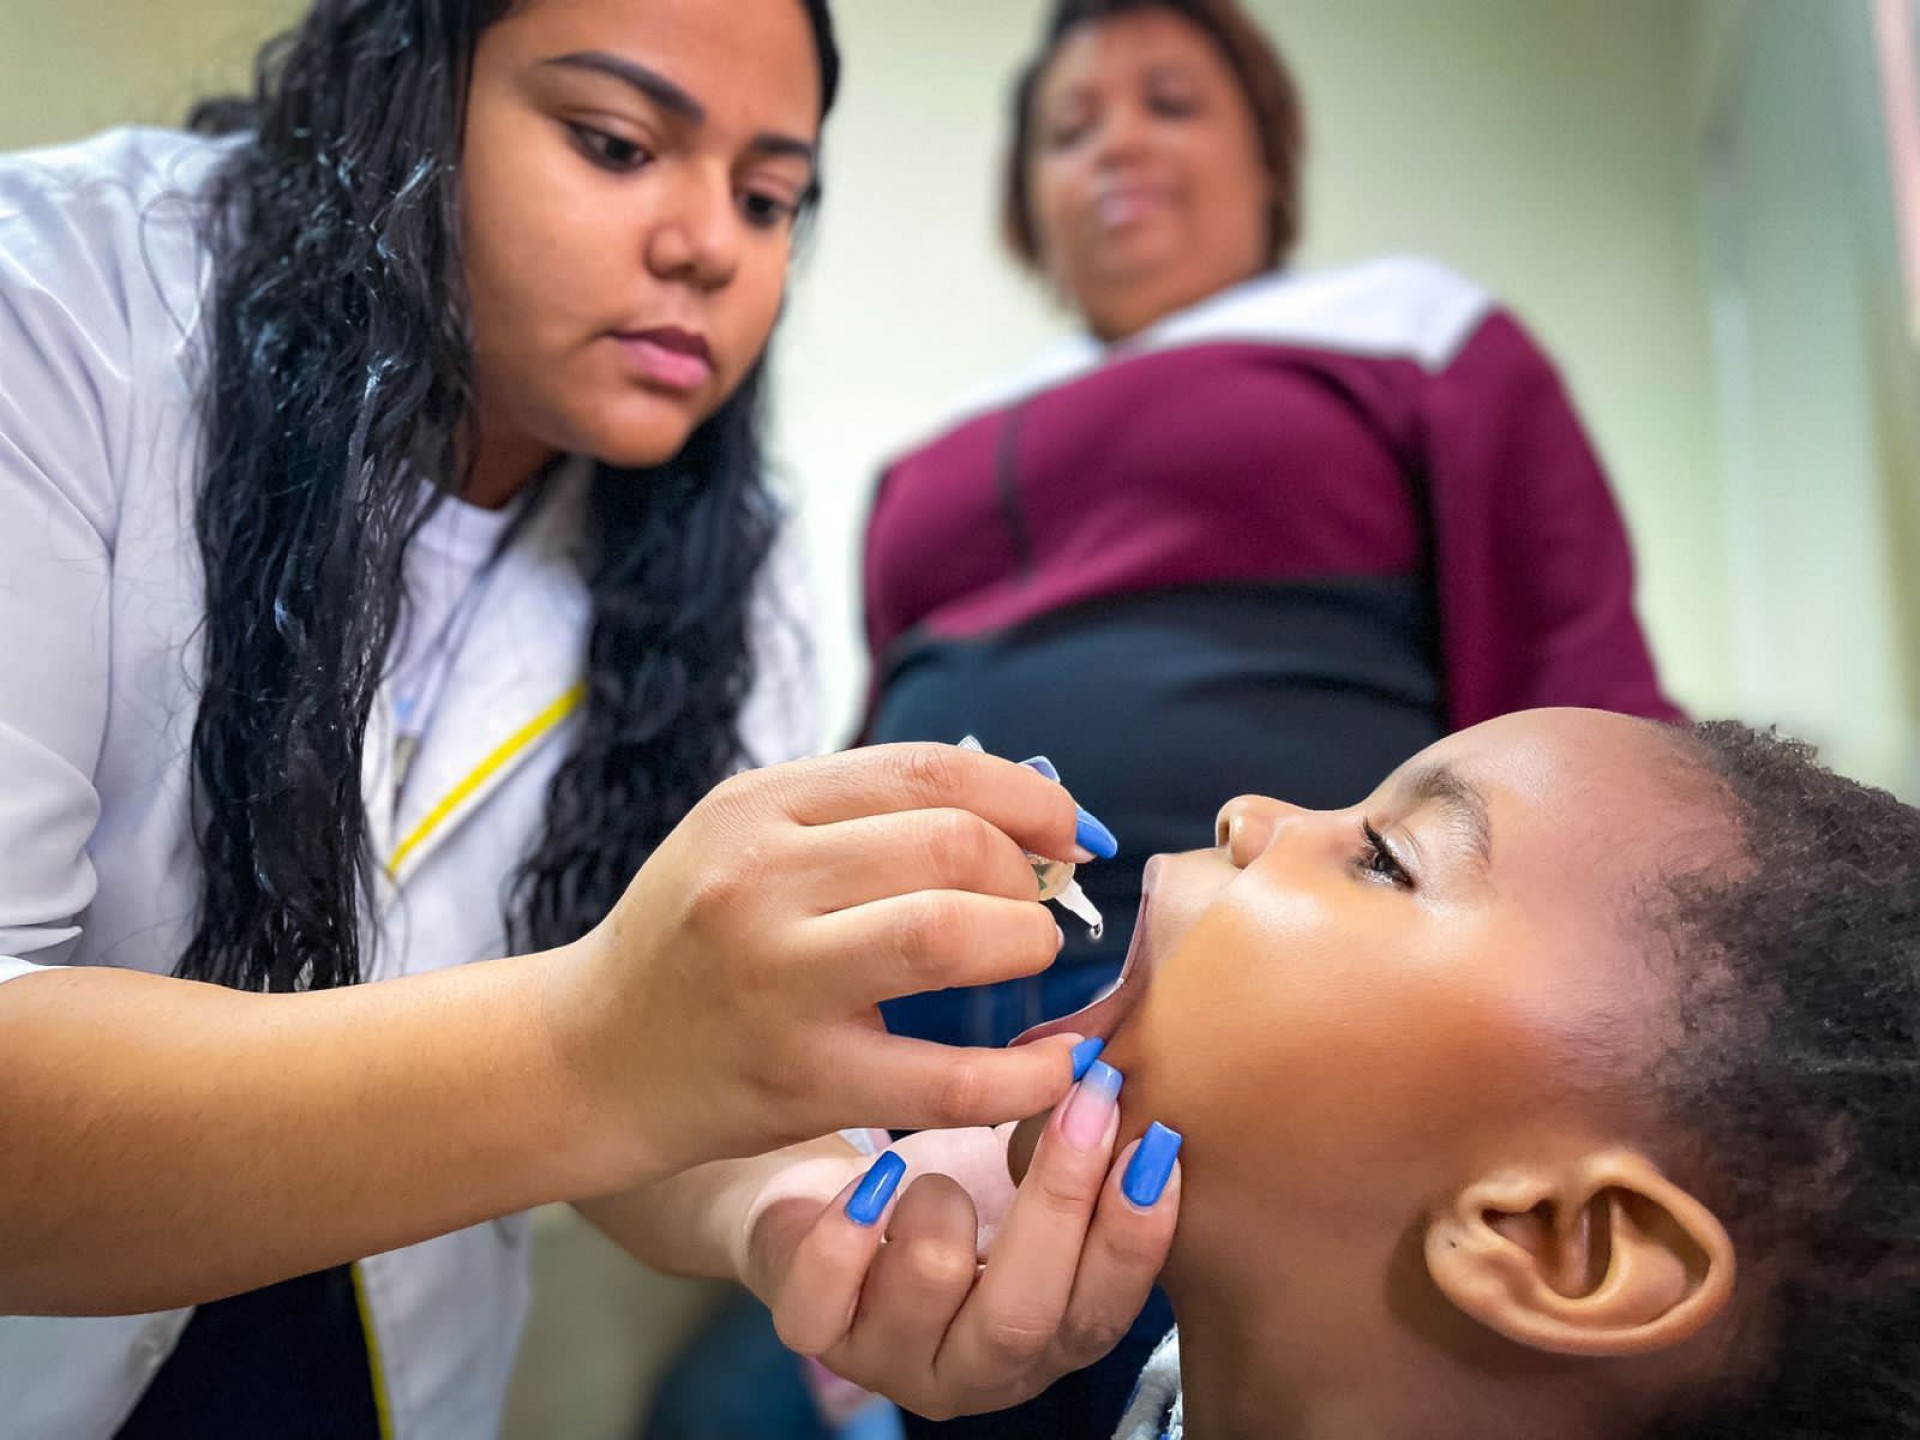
1285	431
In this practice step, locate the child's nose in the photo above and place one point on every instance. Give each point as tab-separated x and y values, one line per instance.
1248	824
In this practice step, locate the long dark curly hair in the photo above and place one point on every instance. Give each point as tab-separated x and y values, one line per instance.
338	376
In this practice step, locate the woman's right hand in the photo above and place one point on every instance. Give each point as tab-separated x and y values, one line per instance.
728	1005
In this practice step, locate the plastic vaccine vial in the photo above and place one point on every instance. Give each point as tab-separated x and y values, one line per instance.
1058	885
1055	877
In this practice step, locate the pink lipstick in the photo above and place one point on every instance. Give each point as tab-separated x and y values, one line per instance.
670	358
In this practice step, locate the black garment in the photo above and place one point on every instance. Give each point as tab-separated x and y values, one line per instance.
290	1361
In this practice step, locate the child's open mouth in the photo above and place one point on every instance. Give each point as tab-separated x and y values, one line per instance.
1102	1018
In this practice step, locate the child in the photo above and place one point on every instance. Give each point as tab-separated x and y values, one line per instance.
1564	1087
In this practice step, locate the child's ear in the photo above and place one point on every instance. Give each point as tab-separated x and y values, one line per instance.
1603	1256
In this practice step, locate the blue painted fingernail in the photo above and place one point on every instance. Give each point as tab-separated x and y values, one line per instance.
1041	765
876	1189
1151	1166
1096	837
1084	1054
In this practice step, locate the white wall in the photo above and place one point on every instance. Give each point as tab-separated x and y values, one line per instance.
1540	145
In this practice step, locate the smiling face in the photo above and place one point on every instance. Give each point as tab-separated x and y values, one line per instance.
631	177
1349	1014
1149	189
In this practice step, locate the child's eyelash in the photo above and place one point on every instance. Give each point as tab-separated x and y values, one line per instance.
1378	861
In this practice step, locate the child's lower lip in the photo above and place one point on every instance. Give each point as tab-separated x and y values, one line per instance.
1103	1015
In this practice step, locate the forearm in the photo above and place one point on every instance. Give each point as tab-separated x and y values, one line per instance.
695	1223
164	1142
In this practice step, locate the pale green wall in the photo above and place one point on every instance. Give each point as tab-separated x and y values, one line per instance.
68	67
1817	382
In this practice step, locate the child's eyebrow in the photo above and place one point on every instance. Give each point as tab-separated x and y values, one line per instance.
1465	804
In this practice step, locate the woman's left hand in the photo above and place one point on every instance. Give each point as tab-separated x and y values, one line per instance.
963	1295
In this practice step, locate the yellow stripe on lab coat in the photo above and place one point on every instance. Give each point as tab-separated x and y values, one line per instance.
526	735
382	1406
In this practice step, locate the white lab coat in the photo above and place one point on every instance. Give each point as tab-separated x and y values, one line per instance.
101	281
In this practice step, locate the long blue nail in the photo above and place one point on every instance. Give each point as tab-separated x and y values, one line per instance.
1084	1054
1043	766
1096	837
876	1189
1151	1166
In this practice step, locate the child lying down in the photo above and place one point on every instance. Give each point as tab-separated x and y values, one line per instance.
1564	1087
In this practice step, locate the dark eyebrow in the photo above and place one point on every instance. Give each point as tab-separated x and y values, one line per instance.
770	144
1464	802
650	83
676	101
1169	70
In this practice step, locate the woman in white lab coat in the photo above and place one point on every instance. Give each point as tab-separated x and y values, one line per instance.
385	578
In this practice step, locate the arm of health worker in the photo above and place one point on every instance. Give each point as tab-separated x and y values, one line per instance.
164	1142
